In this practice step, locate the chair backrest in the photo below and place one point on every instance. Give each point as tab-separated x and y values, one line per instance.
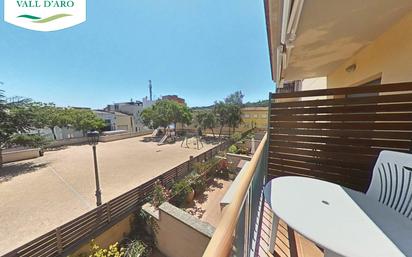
392	181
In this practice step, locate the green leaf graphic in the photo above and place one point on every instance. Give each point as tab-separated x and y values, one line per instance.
29	17
52	18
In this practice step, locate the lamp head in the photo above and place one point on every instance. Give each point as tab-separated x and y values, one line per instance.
93	137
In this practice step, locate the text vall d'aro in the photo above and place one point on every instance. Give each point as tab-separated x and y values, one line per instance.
45	3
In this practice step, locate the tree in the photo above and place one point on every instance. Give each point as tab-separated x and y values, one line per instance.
148	118
185	116
206	120
235	98
50	116
210	121
164	113
85	120
222	114
234	116
16	119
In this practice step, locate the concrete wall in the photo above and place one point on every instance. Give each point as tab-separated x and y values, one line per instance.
61	133
70	141
20	155
114	234
181	234
124	122
124	136
389	57
108	138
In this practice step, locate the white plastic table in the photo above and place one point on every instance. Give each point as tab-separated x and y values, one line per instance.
342	221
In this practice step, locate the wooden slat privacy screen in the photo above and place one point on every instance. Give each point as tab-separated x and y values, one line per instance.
337	134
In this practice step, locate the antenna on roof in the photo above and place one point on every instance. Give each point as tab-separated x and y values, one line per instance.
150	90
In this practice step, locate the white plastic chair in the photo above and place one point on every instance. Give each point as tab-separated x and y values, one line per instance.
391	182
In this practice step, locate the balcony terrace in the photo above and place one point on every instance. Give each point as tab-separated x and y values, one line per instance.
333	135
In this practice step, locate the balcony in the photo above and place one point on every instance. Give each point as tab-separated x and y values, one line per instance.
336	137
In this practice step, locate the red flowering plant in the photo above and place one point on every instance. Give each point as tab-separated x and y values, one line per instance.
223	165
160	194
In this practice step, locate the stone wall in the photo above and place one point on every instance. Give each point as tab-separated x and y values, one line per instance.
110	138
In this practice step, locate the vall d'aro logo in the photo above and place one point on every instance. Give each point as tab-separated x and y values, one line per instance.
45	15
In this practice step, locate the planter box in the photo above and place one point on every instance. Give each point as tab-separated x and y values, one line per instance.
20	155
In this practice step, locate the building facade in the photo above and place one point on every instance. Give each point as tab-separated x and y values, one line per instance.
132	108
108	117
255	117
125	122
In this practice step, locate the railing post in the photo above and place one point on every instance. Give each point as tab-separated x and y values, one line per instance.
109	212
59	241
189	164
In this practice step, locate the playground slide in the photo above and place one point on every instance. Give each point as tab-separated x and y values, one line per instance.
163	139
155	132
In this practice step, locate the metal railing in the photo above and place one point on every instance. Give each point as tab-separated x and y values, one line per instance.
234	236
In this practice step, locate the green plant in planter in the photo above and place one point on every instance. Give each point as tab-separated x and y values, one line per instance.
205	167
179	192
232	149
236	137
200	167
243	150
143	228
221	153
198	183
138	248
160	194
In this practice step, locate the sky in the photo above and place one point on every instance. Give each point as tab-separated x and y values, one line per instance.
201	50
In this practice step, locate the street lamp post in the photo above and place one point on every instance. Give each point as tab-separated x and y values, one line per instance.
93	138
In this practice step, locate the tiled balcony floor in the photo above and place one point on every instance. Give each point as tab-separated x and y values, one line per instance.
288	242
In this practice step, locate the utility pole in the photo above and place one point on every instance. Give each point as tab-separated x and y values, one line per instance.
150	90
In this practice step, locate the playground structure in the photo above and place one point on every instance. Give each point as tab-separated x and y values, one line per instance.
191	136
170	134
155	132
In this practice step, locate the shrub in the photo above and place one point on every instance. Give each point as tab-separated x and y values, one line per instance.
160	194
232	149
204	167
221	153
236	137
97	251
197	182
138	248
179	191
243	150
30	140
143	228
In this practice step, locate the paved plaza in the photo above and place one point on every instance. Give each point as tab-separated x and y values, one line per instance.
38	195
